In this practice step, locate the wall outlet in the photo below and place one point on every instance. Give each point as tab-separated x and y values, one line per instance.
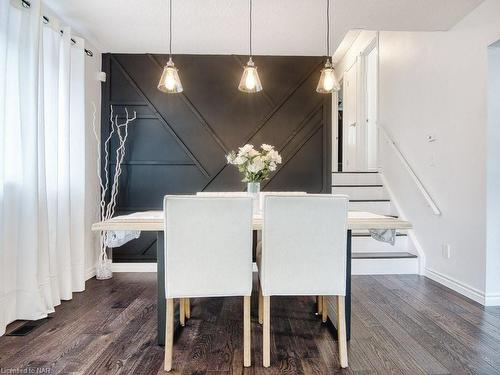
101	76
446	248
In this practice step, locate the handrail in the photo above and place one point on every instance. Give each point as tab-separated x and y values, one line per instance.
418	182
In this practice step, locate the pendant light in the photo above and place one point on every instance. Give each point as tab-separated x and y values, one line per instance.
170	81
250	81
327	81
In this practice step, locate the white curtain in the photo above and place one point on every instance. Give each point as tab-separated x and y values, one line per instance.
41	164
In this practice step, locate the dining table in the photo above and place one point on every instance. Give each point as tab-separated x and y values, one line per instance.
155	221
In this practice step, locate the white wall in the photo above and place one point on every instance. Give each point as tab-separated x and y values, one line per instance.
435	83
92	94
493	176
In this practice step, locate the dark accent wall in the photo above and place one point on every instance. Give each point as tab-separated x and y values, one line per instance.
178	143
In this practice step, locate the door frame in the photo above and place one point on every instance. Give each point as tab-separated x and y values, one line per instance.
361	105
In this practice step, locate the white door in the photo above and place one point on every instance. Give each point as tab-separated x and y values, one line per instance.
349	123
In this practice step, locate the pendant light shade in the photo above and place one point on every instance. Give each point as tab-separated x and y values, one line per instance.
250	81
327	81
169	80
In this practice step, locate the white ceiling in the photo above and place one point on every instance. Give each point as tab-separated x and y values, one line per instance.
281	27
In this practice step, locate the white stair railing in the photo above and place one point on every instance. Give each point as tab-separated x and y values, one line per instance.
418	182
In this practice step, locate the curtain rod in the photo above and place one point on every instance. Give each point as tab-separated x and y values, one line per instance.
46	20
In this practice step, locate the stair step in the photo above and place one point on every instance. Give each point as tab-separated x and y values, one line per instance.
366	244
383	255
380	208
355	178
360	186
362	193
369	200
385	266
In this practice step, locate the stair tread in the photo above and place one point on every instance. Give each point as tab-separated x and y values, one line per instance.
383	255
369	200
359	185
355	172
366	233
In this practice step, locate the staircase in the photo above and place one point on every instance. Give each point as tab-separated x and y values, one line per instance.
369	256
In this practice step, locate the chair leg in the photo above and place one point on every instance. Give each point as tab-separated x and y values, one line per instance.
169	334
324	309
247	357
261	307
266	333
182	311
341	330
188	308
319	304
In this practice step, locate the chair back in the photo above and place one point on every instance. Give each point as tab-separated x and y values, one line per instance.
264	194
208	246
222	194
304	245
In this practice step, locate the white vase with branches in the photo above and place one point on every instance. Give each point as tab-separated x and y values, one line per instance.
107	209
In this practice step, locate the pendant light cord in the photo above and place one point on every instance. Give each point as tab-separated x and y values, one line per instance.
328	28
170	32
250	33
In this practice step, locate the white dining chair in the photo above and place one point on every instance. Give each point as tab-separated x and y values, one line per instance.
304	254
208	253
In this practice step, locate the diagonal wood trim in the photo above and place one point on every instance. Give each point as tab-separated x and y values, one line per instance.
301	126
153	243
163	121
295	150
197	113
283	101
269	116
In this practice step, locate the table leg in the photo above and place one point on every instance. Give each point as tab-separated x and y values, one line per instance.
160	274
348	286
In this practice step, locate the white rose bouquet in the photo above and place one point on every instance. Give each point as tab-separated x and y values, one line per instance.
255	165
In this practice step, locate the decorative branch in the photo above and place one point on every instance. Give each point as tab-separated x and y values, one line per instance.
107	210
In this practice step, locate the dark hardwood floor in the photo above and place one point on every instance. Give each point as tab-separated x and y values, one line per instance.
400	324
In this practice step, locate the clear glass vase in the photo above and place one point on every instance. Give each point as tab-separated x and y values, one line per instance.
104	263
253	188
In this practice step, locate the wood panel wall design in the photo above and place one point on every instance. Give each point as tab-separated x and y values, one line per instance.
178	143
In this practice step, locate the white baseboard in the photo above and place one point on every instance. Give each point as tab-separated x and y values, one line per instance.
133	267
491	299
